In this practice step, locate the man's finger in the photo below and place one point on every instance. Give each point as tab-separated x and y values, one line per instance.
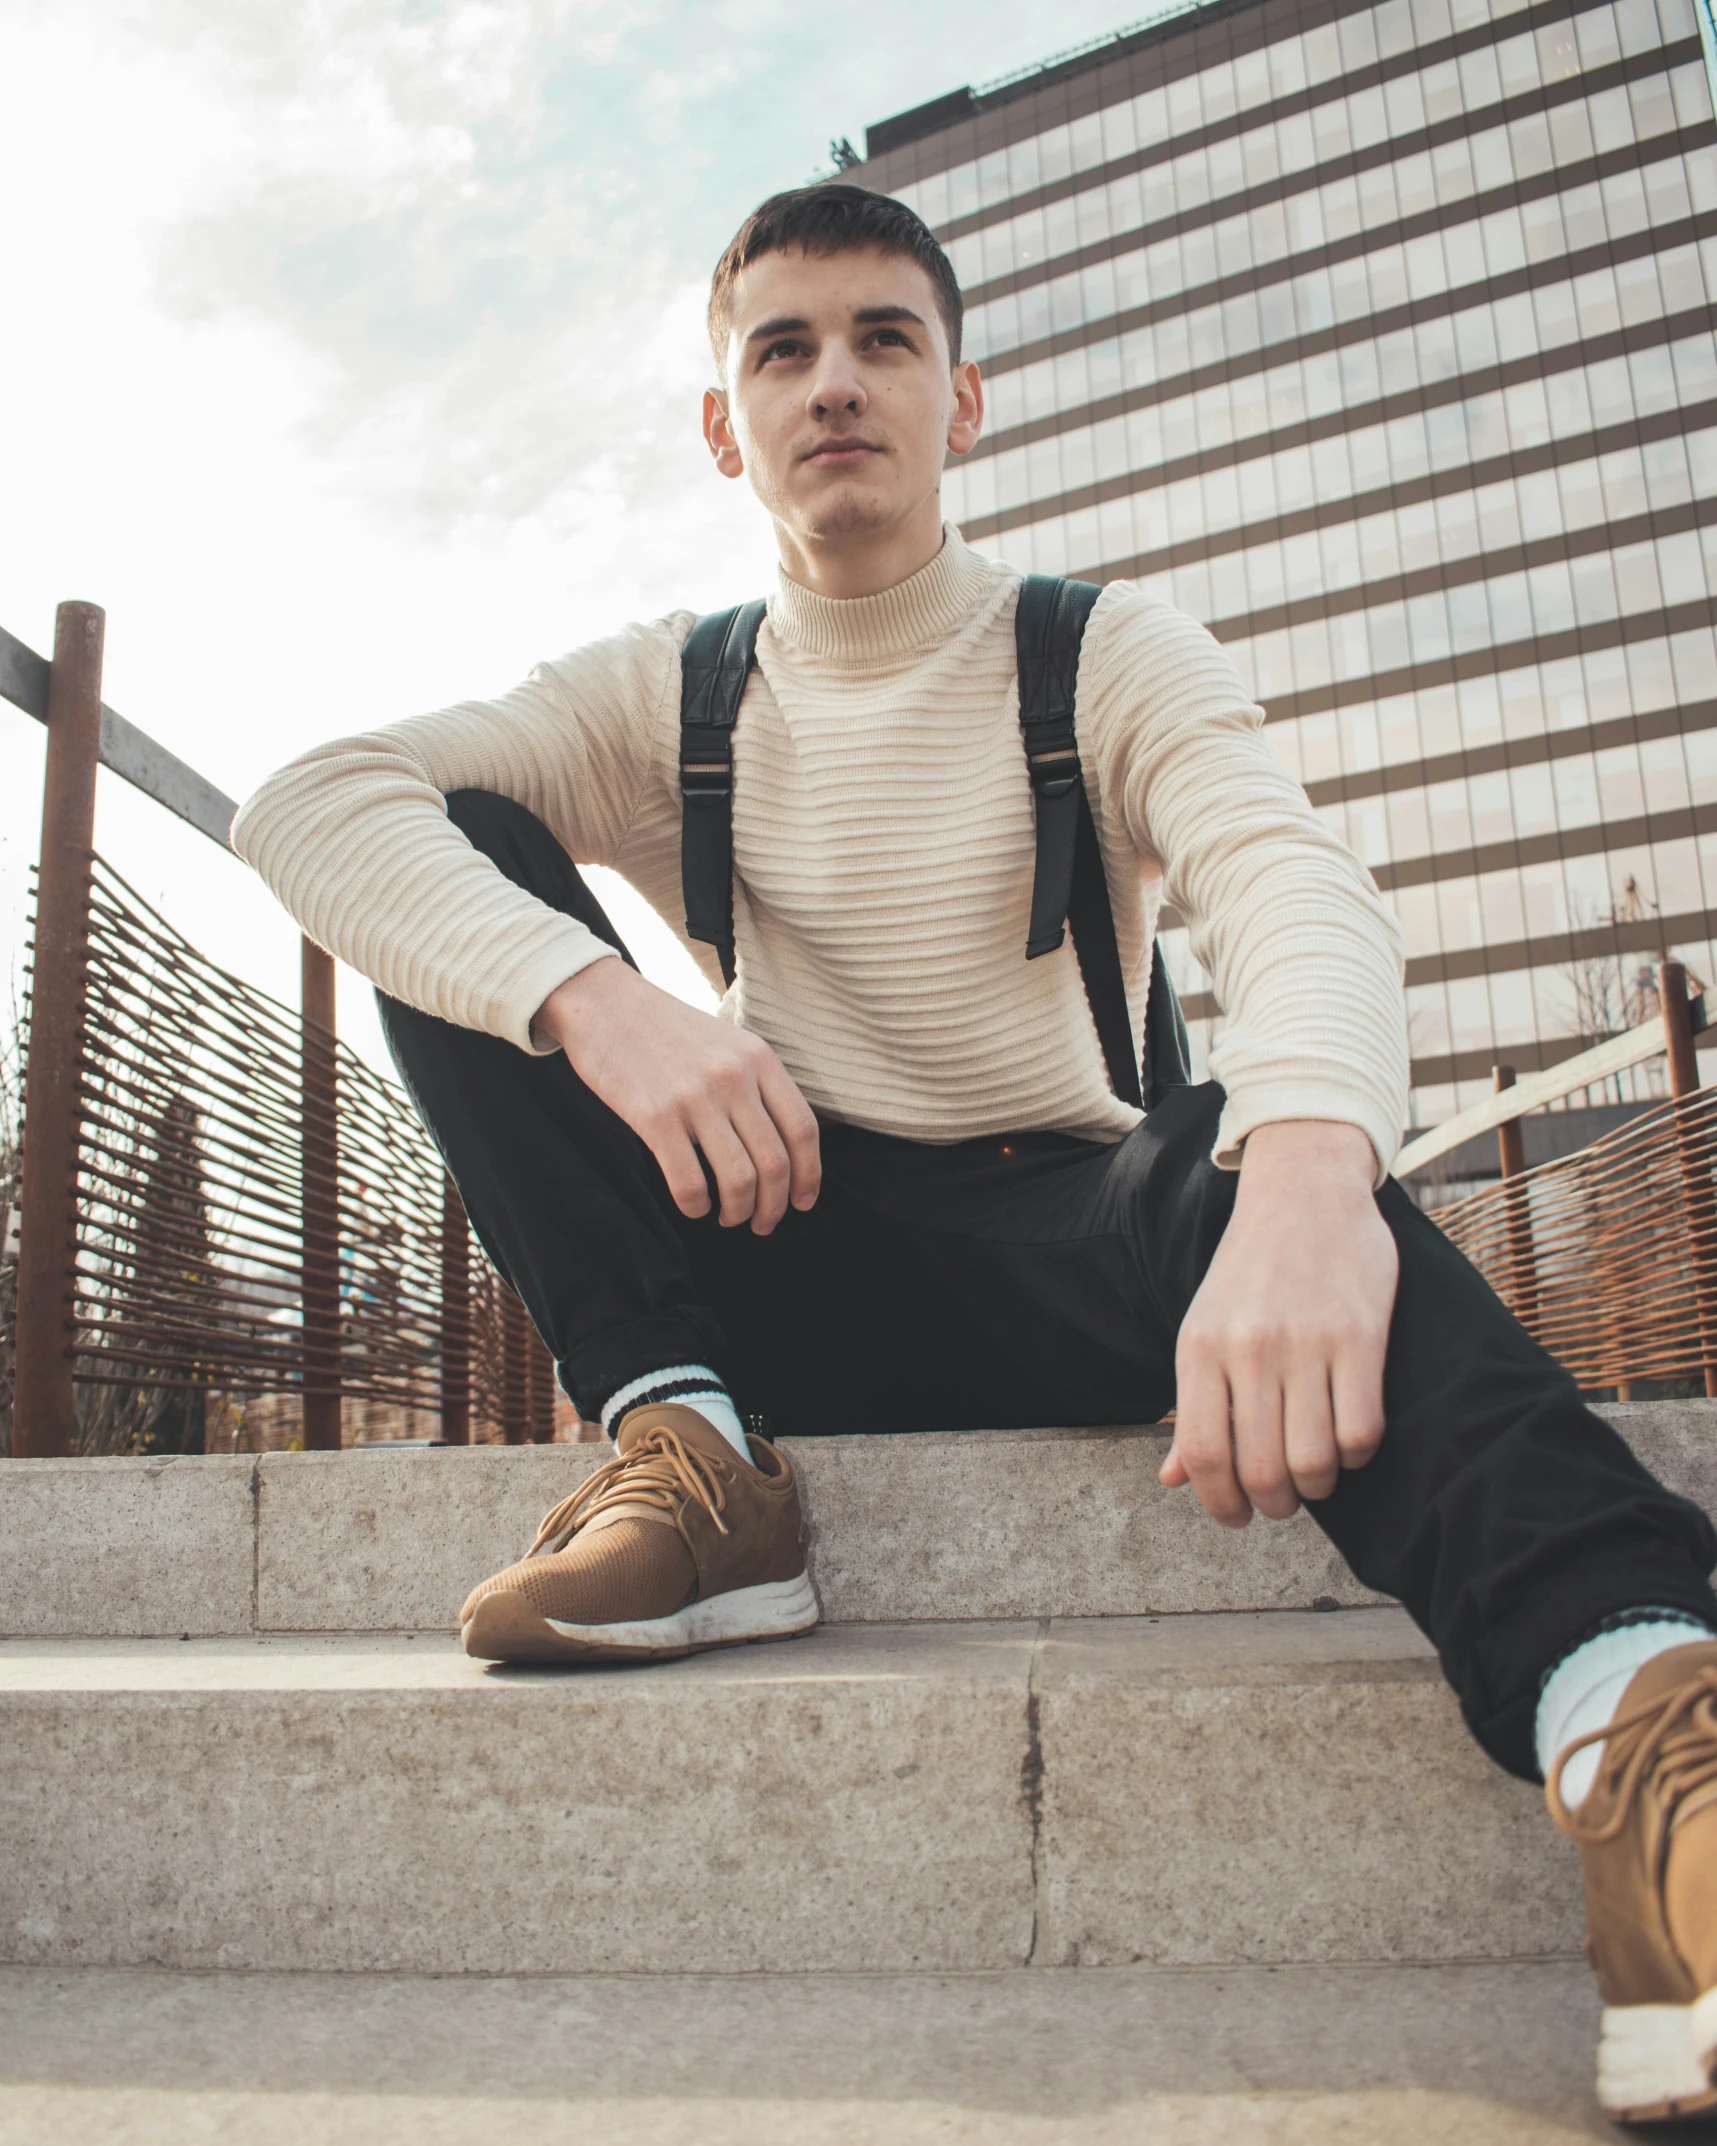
1356	1388
774	1173
1260	1456
797	1127
1201	1436
1308	1430
735	1173
678	1160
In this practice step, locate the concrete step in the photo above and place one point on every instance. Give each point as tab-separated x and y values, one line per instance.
989	1524
1320	2056
1232	1790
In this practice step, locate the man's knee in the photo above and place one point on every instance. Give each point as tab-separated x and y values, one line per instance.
518	844
500	827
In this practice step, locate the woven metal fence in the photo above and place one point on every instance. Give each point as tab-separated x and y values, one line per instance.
1609	1256
210	1195
259	1212
191	1256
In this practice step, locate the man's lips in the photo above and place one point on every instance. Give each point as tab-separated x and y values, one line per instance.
841	454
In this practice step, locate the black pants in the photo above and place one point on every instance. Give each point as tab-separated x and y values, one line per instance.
1038	1279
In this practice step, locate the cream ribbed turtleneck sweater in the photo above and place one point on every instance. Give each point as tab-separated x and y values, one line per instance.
883	850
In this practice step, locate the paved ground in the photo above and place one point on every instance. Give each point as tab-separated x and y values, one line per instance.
1441	2056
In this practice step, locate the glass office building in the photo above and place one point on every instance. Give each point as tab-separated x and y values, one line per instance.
1381	339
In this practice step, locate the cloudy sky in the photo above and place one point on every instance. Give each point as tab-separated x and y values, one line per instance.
352	353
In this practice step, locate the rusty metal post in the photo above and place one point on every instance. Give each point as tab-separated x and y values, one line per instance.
319	1138
515	1358
541	1390
53	1085
1695	1150
1508	1137
1677	1028
455	1316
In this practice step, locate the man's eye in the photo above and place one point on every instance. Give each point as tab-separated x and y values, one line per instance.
781	350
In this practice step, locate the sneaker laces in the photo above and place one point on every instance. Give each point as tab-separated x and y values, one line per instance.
660	1470
1674	1737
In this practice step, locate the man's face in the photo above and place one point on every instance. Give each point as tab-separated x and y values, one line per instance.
841	402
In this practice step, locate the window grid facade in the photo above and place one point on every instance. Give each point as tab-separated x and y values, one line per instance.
1384	340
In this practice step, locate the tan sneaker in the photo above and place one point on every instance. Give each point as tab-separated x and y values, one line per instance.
675	1546
1648	1845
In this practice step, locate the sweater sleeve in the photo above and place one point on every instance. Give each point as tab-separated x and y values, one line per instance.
354	840
1305	957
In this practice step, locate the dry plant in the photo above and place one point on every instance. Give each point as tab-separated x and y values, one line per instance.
11	1165
1611	993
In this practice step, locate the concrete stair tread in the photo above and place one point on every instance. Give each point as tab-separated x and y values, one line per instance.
939	1525
1238	1647
1286	1786
1441	2056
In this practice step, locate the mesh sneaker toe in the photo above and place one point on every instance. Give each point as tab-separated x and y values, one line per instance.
674	1546
1647	1832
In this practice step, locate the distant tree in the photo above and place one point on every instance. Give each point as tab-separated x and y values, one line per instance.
173	1273
843	155
1611	991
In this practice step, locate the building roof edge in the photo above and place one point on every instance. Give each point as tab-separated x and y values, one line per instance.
948	110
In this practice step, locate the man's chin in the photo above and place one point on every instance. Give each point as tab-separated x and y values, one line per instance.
850	511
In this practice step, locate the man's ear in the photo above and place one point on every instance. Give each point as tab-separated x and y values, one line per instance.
967	420
718	434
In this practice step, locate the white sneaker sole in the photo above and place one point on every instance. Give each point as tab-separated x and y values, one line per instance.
1657	2063
504	1629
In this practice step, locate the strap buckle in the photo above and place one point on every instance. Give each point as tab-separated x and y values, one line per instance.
1052	757
706	782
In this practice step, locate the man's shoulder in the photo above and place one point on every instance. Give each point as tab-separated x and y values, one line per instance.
640	659
1129	607
1144	657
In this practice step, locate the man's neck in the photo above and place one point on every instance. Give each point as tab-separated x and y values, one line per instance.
855	565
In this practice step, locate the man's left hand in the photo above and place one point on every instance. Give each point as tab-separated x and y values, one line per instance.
1279	1367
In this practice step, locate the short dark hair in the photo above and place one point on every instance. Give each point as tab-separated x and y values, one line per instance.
833	217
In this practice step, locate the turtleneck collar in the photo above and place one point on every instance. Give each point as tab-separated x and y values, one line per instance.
913	617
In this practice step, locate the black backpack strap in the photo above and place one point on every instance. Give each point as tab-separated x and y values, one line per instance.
1049	627
1168	1055
1070	886
714	666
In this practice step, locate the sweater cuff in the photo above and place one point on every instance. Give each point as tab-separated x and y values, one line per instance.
548	970
1244	1112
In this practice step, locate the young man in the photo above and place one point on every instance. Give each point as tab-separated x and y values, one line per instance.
891	1186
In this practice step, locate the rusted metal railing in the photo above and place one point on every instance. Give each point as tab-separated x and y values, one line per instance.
1607	1256
42	1389
1600	1254
218	1196
255	1209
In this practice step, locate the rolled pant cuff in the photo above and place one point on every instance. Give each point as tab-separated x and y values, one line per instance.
621	1356
1514	1658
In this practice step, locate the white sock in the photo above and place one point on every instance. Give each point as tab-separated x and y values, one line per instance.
688	1386
1585	1688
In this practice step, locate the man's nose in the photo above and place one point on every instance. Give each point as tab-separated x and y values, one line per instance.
837	386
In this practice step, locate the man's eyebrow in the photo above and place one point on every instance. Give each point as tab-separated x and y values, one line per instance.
879	316
783	326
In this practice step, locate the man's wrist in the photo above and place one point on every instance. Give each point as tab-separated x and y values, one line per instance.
573	1001
1294	1147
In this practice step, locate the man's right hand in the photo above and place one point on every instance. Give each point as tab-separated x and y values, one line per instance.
687	1083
